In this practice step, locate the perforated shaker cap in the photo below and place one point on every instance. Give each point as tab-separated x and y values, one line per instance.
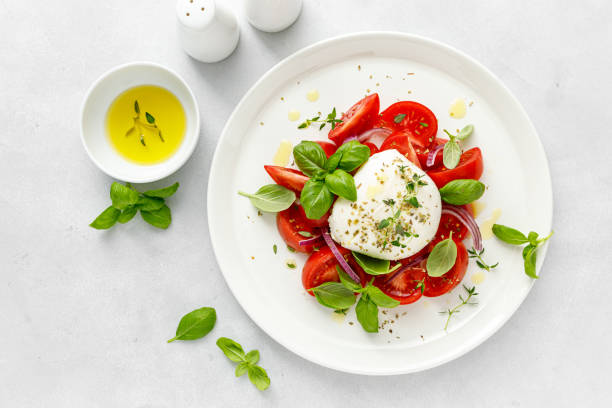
195	14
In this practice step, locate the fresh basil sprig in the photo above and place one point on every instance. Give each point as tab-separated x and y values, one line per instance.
442	257
480	261
462	191
271	198
374	266
471	292
126	202
331	119
247	362
452	149
328	177
341	296
515	237
196	324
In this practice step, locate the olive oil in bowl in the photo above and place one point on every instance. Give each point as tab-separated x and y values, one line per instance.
146	124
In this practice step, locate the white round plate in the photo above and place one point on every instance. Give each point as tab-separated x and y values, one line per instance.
402	67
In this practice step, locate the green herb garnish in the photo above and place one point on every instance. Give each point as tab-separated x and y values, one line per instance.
442	257
331	119
374	266
139	126
515	237
471	292
271	198
473	254
462	191
195	325
452	149
398	118
247	363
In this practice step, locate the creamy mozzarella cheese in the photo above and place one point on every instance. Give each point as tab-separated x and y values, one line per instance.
391	188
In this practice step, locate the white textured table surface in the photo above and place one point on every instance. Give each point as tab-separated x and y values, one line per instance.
84	315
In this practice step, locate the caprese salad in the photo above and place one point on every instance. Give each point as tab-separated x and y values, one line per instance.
382	208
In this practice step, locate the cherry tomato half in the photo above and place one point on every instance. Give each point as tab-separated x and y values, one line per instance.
286	177
328	147
320	267
422	154
469	167
400	141
447	282
318	223
402	286
372	146
416	118
357	119
290	222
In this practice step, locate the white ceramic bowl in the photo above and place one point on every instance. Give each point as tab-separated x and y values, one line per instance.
99	98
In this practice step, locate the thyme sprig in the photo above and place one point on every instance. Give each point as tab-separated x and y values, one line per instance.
331	119
473	254
139	125
471	292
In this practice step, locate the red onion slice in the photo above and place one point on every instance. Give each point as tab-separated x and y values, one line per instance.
466	219
309	241
431	157
347	268
376	136
349	139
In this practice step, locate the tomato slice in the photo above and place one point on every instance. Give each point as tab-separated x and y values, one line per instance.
360	117
400	141
328	147
290	222
417	118
286	177
372	146
470	167
402	286
447	282
448	224
423	152
320	267
318	223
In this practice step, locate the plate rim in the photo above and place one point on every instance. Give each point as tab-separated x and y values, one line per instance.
485	334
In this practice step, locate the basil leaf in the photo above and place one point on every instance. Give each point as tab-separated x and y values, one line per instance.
242	368
258	377
398	118
334	295
509	235
352	155
136	107
346	280
252	357
465	132
379	298
122	196
106	219
442	258
333	161
533	238
529	256
150	118
309	157
316	199
159	218
162	192
462	191
195	325
231	349
149	204
451	154
373	266
127	214
342	184
367	314
271	198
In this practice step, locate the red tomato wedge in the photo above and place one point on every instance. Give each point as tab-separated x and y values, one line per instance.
290	178
402	286
290	222
318	223
320	267
423	152
416	118
448	224
400	141
360	117
447	282
470	167
372	146
328	147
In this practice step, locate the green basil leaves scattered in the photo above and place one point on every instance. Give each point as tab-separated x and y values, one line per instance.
341	184
367	314
374	266
351	155
316	199
196	324
310	158
334	295
462	191
126	202
452	149
271	198
515	237
442	258
247	363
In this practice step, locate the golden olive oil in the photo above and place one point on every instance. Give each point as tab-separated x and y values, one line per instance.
146	124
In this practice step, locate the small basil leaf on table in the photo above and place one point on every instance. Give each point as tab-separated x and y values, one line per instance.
309	157
258	377
231	349
316	199
352	155
334	295
462	191
252	357
242	368
106	219
367	314
127	214
159	218
162	192
529	257
451	154
196	324
509	235
442	258
271	198
122	196
145	203
346	280
373	266
379	298
342	184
